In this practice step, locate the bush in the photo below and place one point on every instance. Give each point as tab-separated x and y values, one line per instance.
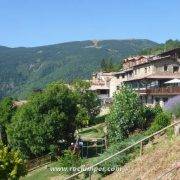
12	166
162	120
110	166
70	160
149	113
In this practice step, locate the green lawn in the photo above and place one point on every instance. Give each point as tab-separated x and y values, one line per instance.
43	173
96	131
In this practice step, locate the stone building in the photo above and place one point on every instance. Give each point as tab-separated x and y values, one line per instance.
148	75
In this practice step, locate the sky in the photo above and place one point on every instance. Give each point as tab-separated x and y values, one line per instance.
41	22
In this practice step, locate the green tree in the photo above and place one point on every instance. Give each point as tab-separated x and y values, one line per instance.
107	65
103	65
87	100
6	112
48	118
110	65
125	115
12	166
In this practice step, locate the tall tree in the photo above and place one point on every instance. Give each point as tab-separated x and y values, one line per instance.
48	118
87	100
125	115
107	65
103	65
110	65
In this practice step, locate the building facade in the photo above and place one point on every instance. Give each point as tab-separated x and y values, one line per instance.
148	75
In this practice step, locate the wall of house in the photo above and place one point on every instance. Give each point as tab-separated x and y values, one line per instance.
143	70
139	71
151	68
170	63
115	83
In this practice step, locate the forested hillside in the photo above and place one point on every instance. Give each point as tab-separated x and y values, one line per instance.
168	45
22	69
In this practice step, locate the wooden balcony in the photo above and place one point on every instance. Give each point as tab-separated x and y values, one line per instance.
161	91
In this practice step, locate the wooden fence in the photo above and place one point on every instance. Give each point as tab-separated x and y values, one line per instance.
37	162
90	169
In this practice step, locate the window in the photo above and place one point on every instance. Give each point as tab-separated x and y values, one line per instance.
135	71
123	76
104	91
145	70
130	75
175	69
165	68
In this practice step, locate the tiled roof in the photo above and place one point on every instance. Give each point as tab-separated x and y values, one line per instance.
157	76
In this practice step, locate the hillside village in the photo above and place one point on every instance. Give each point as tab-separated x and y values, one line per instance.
89	90
156	78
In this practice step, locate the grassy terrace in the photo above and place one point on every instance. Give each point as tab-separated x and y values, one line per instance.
96	131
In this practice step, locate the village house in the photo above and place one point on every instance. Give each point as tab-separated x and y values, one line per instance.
156	78
104	84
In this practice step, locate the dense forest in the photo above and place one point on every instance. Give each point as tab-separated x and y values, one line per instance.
168	45
23	69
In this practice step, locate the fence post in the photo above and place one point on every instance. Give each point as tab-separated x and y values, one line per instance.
90	173
105	141
141	148
176	127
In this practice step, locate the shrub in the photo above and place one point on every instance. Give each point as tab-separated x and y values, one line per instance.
12	166
161	120
70	160
149	113
110	166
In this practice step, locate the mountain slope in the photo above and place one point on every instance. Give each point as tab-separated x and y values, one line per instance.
22	69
